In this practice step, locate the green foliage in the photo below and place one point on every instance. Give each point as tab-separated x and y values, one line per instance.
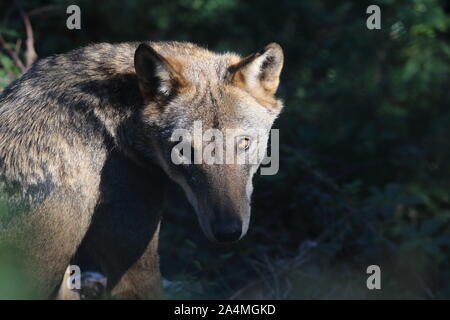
8	69
14	281
365	148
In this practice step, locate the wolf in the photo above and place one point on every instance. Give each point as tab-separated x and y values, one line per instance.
85	153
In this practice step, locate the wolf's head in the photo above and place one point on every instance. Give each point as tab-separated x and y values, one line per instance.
185	87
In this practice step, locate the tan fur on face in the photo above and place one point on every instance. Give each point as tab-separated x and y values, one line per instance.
259	74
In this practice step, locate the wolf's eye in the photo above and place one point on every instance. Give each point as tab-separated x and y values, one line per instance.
244	143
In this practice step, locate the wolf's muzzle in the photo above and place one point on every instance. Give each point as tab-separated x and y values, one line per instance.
226	230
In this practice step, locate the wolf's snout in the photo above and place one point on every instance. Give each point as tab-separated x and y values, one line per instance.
226	230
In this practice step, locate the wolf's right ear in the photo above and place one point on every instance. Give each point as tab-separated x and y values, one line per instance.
260	72
158	77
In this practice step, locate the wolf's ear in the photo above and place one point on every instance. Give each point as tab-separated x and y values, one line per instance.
260	72
158	77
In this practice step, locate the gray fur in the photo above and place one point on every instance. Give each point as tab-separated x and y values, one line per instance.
84	140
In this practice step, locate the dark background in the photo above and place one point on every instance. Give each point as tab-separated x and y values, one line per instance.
365	143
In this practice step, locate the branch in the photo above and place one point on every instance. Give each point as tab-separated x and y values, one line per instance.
31	55
18	45
42	10
12	54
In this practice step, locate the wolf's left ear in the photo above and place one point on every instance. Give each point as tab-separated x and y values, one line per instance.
158	77
260	71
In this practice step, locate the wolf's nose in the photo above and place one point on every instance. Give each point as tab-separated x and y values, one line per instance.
226	231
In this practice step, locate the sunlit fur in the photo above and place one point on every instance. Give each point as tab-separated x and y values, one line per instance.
82	135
